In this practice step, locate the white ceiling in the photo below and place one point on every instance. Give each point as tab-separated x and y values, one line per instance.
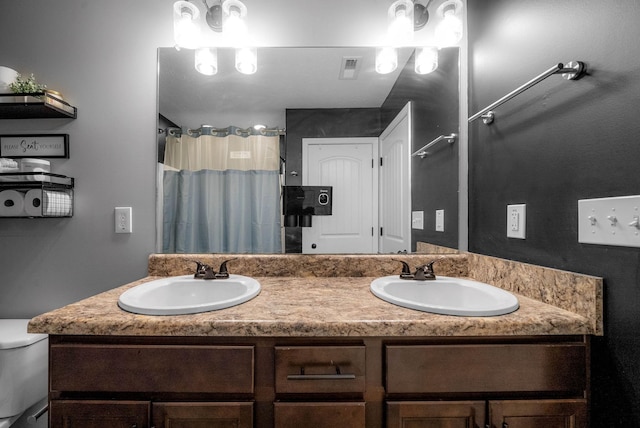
286	78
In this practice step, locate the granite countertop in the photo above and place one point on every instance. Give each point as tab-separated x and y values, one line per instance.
306	307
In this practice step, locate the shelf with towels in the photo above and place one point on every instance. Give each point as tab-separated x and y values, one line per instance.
33	195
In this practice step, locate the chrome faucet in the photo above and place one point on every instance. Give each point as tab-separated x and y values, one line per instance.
422	273
204	271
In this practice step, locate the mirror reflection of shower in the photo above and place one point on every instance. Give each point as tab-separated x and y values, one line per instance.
310	92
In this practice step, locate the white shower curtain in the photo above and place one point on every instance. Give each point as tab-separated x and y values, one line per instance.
221	192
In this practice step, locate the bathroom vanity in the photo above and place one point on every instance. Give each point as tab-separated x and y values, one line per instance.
323	351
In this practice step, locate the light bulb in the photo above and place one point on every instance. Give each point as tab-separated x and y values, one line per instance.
247	60
426	60
386	60
448	32
186	32
234	26
207	61
400	27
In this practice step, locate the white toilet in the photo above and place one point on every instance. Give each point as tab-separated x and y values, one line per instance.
23	370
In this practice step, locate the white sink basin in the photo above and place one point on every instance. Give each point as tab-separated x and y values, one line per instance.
180	295
445	295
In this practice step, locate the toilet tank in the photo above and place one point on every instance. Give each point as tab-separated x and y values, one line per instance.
23	367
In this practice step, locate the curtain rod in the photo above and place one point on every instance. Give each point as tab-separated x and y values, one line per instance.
211	129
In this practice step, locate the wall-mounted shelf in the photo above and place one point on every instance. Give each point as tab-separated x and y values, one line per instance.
42	105
32	195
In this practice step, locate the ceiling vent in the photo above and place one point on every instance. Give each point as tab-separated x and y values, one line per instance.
350	67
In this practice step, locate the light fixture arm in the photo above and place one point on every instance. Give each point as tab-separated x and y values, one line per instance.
420	15
214	16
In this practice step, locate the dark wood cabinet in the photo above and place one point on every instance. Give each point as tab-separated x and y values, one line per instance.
436	414
99	414
485	371
137	414
320	415
202	415
551	413
558	413
281	382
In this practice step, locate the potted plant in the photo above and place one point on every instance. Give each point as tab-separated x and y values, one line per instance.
26	85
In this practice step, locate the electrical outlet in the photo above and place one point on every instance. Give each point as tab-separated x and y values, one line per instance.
123	220
439	220
516	221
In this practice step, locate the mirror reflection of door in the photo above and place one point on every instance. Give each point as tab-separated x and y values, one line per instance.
349	165
395	184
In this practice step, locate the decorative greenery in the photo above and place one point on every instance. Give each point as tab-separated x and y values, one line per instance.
26	85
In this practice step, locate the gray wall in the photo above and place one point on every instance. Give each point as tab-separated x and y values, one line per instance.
102	57
556	143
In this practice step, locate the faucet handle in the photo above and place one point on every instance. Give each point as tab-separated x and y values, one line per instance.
201	268
406	270
425	272
223	272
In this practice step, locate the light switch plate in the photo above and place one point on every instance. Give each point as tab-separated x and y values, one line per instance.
610	221
417	220
517	221
439	220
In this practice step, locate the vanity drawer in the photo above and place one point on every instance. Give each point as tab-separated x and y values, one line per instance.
319	415
556	367
319	369
152	368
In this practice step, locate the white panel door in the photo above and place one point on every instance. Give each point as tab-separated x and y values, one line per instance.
346	164
395	184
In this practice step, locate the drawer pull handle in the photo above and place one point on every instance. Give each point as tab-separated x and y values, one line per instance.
337	376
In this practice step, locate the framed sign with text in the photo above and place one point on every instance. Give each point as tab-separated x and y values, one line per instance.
34	146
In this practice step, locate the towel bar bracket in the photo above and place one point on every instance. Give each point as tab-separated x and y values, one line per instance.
573	70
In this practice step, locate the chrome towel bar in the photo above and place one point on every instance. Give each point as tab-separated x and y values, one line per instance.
451	138
574	70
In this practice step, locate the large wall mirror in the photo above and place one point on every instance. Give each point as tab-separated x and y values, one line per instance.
311	100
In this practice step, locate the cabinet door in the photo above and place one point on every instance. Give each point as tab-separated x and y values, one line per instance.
202	415
538	413
99	414
319	415
435	414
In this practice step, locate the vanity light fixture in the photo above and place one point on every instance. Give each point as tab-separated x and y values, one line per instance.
247	60
386	59
401	27
207	61
426	60
228	17
233	25
186	32
448	31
